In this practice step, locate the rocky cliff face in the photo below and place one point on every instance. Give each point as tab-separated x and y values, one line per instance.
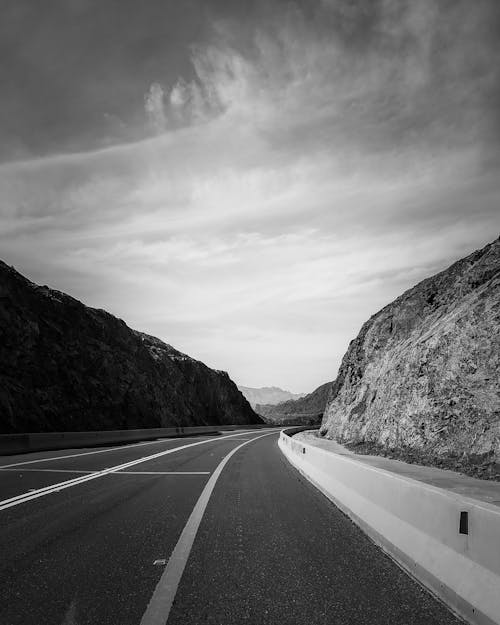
423	374
64	366
307	410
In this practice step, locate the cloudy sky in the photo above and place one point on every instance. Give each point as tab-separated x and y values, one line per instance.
249	181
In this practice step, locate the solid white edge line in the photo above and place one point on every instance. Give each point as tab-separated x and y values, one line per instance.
6	503
18	499
98	451
116	473
162	473
84	453
44	471
163	596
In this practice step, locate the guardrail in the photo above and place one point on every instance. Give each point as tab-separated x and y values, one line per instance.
448	542
46	441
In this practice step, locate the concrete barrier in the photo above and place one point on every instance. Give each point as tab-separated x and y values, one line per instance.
46	441
449	542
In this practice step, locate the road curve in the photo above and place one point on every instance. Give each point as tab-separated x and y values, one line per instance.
266	547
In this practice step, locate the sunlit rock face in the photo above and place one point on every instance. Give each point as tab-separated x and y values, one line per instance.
424	371
65	366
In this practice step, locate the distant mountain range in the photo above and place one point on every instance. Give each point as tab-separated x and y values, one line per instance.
65	366
307	410
267	395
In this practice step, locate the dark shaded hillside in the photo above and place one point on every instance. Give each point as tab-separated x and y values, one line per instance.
307	410
422	375
65	366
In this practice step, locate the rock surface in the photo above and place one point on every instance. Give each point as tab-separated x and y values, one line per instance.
307	410
65	366
422	377
267	395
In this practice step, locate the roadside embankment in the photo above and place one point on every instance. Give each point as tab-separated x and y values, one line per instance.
448	540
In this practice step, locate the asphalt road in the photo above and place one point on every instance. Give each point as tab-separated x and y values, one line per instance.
252	542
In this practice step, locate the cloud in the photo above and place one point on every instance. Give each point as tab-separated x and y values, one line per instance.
292	186
188	103
154	107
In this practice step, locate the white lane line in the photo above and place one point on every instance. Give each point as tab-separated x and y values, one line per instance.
242	439
103	451
18	499
116	472
99	451
160	604
43	471
161	473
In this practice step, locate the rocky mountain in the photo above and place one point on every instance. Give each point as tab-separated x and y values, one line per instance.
307	410
65	366
423	373
267	395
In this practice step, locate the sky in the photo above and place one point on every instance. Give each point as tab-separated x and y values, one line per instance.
248	181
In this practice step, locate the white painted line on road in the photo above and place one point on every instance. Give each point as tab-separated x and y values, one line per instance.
161	473
161	602
103	451
242	439
47	490
117	472
89	453
43	471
